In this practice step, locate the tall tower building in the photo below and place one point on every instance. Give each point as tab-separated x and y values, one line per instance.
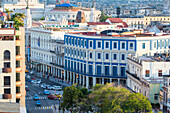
12	70
92	14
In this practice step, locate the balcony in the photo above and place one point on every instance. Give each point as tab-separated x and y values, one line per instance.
18	69
6	38
133	75
7	96
18	83
56	65
18	57
52	51
6	70
18	42
18	95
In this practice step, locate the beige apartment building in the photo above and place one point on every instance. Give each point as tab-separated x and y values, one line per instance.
12	70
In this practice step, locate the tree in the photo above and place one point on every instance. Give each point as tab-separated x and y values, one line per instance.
43	18
18	19
104	17
9	13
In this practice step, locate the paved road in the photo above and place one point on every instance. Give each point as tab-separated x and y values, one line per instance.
47	105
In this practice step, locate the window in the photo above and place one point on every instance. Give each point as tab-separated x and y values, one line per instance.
7	65
123	45
123	56
143	45
114	56
99	56
122	70
99	68
6	55
107	56
90	55
106	70
81	42
147	73
84	54
7	80
91	44
160	73
154	44
114	70
115	45
78	42
7	91
131	45
107	45
84	68
85	43
75	66
91	69
99	44
156	96
158	44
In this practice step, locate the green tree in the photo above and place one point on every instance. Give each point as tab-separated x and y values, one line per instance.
18	19
104	17
9	13
43	18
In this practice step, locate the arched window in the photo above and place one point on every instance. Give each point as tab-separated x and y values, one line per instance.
6	55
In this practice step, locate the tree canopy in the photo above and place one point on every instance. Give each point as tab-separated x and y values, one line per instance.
104	17
104	99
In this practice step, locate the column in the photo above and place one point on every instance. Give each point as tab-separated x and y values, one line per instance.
102	81
110	80
87	82
64	75
118	82
83	80
73	78
94	81
57	72
80	80
67	76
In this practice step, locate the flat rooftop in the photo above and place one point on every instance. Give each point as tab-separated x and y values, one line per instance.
9	107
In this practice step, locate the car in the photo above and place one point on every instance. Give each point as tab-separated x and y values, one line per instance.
57	88
38	103
47	86
26	88
32	72
36	97
57	95
51	97
46	92
42	85
33	78
34	81
50	87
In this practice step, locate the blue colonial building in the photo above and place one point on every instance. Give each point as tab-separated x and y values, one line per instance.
96	59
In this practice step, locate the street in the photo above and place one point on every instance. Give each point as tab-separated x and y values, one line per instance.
47	105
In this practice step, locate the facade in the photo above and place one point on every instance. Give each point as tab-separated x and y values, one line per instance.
134	22
47	48
148	19
70	11
12	70
91	58
20	4
150	69
166	94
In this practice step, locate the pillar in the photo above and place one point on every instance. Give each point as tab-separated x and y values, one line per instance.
73	78
94	81
83	80
64	75
80	80
102	81
118	82
87	82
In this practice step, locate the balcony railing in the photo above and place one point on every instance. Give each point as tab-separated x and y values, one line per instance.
18	69
56	65
18	83
7	96
133	75
6	38
18	95
6	70
18	57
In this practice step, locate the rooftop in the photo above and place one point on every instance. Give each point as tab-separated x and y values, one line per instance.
9	107
66	5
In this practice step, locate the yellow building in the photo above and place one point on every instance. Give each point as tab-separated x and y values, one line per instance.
148	19
12	70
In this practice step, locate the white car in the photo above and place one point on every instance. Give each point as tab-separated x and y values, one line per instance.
34	82
32	72
57	88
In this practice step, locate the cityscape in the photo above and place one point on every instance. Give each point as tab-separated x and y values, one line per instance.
84	56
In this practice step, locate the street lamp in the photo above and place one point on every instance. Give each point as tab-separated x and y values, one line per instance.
59	105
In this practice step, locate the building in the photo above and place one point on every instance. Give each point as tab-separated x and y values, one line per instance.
20	4
47	48
70	11
148	19
166	94
150	69
12	70
166	9
98	57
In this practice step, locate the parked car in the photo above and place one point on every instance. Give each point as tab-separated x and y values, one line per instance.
57	88
50	87
47	86
46	92
33	78
42	85
58	95
32	72
34	81
51	97
36	97
38	103
26	88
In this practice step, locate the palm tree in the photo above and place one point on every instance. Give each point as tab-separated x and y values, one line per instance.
9	13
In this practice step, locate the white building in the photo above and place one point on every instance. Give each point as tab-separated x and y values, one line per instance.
147	70
20	4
